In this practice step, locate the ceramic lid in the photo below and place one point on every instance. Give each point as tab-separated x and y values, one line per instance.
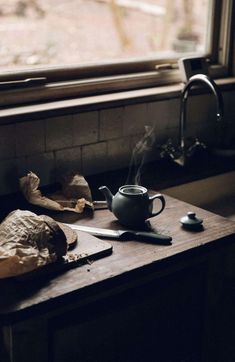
191	221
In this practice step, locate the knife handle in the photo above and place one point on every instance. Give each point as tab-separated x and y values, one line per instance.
154	238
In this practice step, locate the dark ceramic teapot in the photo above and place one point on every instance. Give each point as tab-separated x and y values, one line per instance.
132	205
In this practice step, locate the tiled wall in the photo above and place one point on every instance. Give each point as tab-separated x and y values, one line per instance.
101	140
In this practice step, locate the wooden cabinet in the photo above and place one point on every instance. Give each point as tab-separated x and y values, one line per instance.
159	321
143	303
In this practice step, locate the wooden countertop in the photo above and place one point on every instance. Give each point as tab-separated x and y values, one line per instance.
130	262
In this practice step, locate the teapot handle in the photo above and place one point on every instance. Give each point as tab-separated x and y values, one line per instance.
162	199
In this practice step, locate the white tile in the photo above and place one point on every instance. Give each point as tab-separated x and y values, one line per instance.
143	149
85	128
111	123
229	132
173	110
94	158
229	101
198	108
163	114
135	139
158	114
202	131
163	136
144	141
9	176
171	133
30	138
135	118
43	166
229	106
22	166
7	141
59	132
67	161
119	153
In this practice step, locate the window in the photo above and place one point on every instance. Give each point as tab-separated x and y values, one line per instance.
51	33
65	48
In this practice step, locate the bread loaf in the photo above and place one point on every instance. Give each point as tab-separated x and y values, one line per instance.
29	241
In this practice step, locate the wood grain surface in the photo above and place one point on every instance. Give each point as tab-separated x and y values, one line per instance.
83	249
129	262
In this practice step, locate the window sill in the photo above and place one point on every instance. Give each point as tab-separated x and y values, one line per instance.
63	107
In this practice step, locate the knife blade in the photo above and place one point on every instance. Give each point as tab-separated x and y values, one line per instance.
124	235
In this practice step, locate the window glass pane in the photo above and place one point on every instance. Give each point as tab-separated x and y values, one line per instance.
61	32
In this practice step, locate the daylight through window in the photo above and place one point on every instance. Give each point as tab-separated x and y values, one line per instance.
36	33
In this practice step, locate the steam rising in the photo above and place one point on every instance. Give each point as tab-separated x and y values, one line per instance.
139	154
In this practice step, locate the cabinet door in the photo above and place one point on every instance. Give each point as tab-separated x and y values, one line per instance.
159	321
25	341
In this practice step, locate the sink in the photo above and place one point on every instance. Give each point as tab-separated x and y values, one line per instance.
223	152
216	194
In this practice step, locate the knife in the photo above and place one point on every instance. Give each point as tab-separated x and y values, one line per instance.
124	235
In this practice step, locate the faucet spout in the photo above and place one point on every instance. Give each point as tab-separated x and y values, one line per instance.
180	154
198	78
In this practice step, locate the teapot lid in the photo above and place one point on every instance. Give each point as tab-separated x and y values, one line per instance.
132	190
191	221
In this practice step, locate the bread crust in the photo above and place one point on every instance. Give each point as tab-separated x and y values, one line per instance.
58	237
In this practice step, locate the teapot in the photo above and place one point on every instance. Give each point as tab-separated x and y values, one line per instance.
132	205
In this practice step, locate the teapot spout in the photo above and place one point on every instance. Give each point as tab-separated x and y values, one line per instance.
108	196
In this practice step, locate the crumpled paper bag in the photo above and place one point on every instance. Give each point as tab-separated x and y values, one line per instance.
74	196
26	243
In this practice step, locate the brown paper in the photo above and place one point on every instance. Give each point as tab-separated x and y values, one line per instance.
70	198
24	244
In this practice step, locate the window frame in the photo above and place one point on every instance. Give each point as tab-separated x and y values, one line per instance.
101	78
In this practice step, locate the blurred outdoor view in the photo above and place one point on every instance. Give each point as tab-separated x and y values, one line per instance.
62	32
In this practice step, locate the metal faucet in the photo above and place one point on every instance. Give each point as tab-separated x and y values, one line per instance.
179	154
